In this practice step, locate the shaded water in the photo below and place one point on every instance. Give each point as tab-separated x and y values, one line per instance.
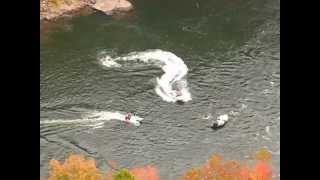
232	50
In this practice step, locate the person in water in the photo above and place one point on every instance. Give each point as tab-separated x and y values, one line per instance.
128	117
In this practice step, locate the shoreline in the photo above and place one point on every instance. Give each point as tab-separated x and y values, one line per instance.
54	9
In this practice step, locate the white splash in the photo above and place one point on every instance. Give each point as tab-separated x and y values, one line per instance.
96	119
272	83
172	85
108	61
268	130
221	121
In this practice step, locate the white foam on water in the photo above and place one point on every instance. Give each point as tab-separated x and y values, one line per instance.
272	83
221	121
174	69
109	62
268	130
265	138
96	119
234	113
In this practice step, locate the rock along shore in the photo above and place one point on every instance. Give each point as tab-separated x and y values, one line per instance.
52	9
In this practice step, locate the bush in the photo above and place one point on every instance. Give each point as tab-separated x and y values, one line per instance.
145	173
142	173
123	174
75	167
215	168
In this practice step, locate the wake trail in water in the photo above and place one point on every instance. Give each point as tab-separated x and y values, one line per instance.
172	85
96	119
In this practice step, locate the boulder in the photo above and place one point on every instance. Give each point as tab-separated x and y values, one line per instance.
111	6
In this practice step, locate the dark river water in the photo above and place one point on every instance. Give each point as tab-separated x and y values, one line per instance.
232	51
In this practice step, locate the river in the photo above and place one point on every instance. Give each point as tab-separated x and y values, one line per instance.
232	51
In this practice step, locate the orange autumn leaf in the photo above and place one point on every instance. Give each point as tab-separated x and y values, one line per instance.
193	174
215	161
262	171
244	173
145	173
232	167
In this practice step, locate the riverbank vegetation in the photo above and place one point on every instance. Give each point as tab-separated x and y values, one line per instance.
216	168
77	167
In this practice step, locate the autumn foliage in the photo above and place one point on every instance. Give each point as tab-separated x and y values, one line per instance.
76	167
142	173
123	174
216	169
145	173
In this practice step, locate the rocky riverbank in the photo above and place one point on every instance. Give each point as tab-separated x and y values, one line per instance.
52	9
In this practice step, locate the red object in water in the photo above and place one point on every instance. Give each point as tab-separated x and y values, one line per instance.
127	118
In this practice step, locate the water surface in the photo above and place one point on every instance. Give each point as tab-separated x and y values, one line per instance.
232	50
